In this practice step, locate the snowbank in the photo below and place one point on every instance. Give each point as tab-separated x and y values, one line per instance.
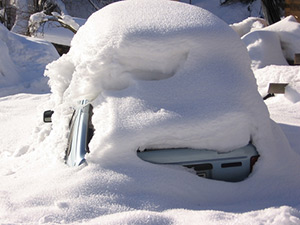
272	45
264	48
8	72
19	55
270	48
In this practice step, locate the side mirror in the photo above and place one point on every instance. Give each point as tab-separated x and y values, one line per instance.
47	116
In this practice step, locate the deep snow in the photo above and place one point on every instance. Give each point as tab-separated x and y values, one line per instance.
19	55
125	189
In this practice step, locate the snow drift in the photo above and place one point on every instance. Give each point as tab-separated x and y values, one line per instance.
272	45
19	55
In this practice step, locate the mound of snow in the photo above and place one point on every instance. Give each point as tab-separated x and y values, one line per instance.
264	48
19	55
288	31
8	72
273	45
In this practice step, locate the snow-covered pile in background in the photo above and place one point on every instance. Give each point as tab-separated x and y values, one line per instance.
23	60
58	29
273	45
118	188
247	25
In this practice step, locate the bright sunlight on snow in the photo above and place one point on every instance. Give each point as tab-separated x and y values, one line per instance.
167	74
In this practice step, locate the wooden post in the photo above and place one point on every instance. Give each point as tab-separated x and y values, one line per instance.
297	59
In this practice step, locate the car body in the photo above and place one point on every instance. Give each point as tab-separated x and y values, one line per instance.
165	89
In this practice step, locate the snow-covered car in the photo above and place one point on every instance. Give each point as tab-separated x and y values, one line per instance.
165	87
233	166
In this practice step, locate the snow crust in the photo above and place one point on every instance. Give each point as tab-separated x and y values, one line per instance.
116	187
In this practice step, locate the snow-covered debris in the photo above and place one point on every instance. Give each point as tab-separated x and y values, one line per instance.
19	55
273	44
35	21
58	29
280	74
68	20
247	25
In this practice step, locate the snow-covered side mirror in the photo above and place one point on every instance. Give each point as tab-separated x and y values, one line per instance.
47	116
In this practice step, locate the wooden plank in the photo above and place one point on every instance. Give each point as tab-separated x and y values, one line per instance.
297	59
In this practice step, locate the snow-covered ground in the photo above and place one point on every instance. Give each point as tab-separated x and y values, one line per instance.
118	188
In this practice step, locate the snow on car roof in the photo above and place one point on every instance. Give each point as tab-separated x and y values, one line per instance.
167	68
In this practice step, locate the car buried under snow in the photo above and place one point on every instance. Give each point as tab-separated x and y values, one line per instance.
166	89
